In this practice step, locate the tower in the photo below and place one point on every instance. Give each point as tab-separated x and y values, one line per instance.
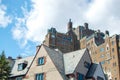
69	25
86	25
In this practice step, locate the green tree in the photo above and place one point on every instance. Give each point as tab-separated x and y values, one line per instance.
4	67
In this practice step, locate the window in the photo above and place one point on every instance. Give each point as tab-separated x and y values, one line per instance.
112	49
101	49
114	64
53	36
39	76
19	78
113	57
86	64
80	76
112	42
102	56
107	48
20	67
103	62
108	55
41	61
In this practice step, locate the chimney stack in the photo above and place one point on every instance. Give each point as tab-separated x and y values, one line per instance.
107	32
86	25
69	25
19	57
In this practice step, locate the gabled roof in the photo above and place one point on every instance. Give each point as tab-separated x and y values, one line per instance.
72	59
15	71
95	70
57	58
65	63
92	70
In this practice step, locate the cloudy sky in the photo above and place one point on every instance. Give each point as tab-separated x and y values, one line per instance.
24	23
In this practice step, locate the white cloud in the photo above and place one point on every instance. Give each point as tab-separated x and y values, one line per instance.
28	51
46	14
104	14
51	13
20	32
4	19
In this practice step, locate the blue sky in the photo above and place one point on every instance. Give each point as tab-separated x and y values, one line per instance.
24	23
13	10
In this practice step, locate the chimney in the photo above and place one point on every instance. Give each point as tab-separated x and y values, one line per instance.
69	25
19	57
107	32
98	31
9	57
86	25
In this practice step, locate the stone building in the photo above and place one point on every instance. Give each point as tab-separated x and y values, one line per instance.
107	53
50	64
20	67
103	48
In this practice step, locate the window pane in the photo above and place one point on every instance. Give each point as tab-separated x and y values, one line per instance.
80	76
86	64
101	49
103	62
19	78
112	42
39	76
112	49
41	61
20	66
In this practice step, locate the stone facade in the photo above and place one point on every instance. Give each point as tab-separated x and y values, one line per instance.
67	42
50	64
103	48
106	53
48	68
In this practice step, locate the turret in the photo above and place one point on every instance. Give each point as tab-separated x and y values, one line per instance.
86	25
107	33
69	25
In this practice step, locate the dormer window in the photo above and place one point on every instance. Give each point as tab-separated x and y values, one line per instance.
41	61
80	76
53	36
86	64
19	78
21	66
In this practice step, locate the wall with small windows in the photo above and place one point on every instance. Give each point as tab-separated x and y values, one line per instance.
107	53
43	67
20	68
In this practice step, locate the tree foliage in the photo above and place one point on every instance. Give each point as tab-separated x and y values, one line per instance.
4	67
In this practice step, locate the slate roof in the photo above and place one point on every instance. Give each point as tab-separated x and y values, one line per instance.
92	70
65	63
57	58
15	71
71	60
11	62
